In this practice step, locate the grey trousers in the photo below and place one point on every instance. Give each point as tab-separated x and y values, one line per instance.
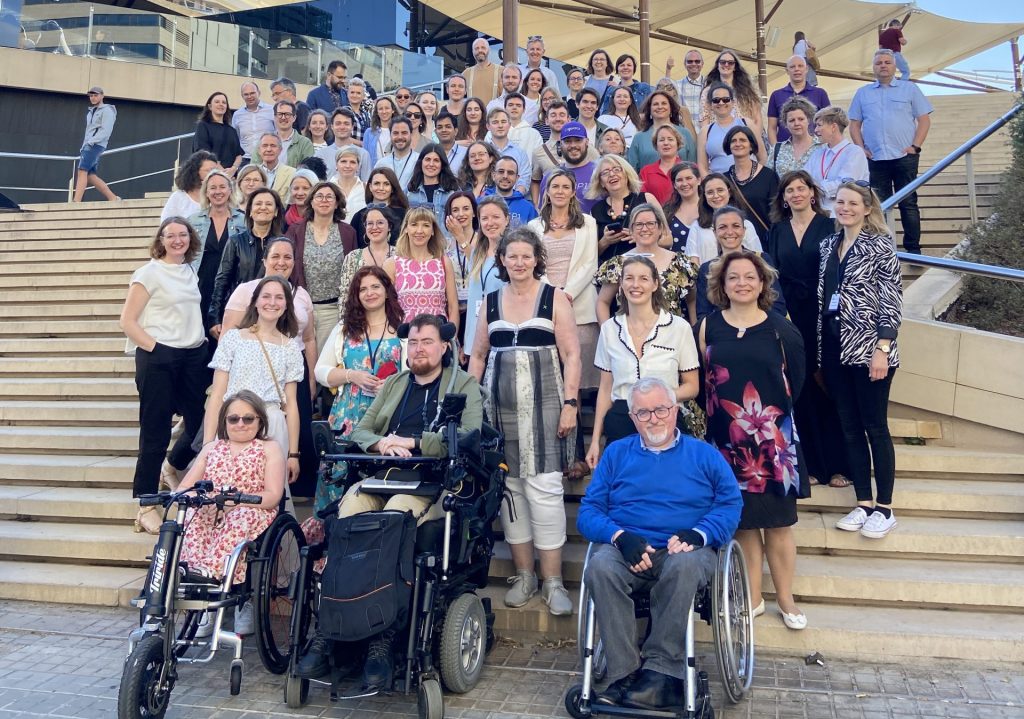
672	582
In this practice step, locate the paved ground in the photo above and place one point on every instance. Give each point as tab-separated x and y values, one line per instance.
65	661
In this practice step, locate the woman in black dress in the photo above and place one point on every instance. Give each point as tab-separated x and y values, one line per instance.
616	187
794	243
754	368
215	133
756	184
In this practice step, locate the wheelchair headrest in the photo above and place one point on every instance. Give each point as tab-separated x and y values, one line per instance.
447	330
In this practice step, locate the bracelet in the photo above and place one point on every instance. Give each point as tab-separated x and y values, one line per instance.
348	375
293	455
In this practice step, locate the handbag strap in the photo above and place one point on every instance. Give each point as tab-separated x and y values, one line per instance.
739	191
270	366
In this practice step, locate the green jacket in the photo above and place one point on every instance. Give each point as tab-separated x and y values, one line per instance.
299	149
374	424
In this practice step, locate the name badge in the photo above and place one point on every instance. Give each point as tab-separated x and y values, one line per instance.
833	303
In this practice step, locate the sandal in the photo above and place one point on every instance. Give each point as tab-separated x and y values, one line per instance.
839	481
814	481
577	471
148	520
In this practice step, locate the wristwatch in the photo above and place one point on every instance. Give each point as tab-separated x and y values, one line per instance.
884	347
917	149
571	403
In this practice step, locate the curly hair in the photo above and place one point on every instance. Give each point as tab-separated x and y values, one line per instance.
187	179
354	320
746	95
531	238
719	267
674	113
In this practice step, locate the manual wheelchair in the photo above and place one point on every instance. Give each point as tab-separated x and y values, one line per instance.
725	605
449	629
174	601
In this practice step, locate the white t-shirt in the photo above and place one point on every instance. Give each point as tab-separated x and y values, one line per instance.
171	316
668	350
179	204
701	242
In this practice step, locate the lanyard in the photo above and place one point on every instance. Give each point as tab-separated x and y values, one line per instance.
824	172
372	351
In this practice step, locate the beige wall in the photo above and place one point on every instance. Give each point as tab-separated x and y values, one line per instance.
965	374
147	83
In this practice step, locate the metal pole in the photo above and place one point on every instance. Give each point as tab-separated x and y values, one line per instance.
972	189
645	40
174	40
248	69
510	31
1018	82
762	57
88	38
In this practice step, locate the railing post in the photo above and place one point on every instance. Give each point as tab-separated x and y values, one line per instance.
88	39
177	156
972	190
71	182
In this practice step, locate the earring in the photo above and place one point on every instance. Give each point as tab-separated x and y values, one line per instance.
812	200
786	205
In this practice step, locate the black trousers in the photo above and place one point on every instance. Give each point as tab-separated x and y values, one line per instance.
169	380
890	176
862	406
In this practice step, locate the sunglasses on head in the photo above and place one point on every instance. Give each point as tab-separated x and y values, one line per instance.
246	419
859	183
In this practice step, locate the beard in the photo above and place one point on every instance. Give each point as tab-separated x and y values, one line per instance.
658	436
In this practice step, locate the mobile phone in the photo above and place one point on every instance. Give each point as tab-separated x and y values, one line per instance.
615	227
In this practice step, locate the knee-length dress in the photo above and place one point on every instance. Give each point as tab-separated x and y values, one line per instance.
212	535
524	377
750	416
421	287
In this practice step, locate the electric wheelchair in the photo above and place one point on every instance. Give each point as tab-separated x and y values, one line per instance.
447	629
725	604
174	601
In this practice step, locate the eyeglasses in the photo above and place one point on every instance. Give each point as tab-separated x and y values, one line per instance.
323	198
645	225
721	100
245	419
859	183
727	63
609	171
284	114
694	62
375	223
180	236
644	415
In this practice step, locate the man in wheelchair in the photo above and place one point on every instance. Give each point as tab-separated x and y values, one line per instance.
658	506
401	422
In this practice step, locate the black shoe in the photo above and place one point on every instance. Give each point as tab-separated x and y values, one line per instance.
654	690
378	670
613	694
316	662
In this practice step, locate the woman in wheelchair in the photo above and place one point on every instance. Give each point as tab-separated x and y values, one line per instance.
242	457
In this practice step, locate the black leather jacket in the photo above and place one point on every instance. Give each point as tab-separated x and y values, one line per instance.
241	261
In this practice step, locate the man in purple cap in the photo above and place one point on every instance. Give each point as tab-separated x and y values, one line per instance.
575	146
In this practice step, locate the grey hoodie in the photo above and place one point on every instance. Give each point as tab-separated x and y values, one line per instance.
99	124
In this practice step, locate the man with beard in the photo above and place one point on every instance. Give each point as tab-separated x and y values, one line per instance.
400	423
511	80
483	77
656	535
401	158
332	94
575	159
520	209
498	126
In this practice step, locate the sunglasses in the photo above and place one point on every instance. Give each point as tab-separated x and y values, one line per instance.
859	183
534	38
727	63
245	419
414	115
403	97
721	100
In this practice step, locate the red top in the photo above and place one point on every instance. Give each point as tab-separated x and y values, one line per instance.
889	39
656	181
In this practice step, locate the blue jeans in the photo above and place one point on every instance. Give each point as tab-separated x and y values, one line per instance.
672	582
89	159
902	65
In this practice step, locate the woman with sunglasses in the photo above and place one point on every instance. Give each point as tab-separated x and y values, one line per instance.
711	152
728	70
420	138
377	139
622	114
382	190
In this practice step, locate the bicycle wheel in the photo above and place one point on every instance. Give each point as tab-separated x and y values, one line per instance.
140	695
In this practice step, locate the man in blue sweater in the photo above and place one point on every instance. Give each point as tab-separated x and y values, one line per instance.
658	506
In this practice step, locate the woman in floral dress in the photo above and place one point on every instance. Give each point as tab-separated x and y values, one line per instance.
361	352
754	369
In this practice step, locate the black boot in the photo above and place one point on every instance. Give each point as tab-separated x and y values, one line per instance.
316	662
378	671
654	690
613	694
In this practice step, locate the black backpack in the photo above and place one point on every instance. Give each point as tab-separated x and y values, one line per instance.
367	584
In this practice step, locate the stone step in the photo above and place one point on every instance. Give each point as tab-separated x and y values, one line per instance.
108	544
958	463
74	346
68	388
70	440
70	583
123	366
67	312
86	254
72	267
99	207
933	497
838	631
76	413
134	245
115	278
82	503
145	222
61	328
84	296
69	470
97	231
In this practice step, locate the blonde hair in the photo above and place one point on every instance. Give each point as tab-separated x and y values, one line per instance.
875	221
204	201
436	244
833	114
596	190
241	175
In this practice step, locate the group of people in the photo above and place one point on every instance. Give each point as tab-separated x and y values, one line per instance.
738	264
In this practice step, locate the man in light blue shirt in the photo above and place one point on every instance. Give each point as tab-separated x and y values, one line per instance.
498	126
889	118
253	120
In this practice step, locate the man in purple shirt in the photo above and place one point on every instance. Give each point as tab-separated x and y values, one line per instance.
796	68
575	146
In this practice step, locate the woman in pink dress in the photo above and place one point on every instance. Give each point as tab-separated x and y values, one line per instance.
420	269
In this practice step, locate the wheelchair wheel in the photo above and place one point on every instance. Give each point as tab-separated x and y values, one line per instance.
599	667
272	584
430	700
573	703
463	640
296	691
140	695
733	622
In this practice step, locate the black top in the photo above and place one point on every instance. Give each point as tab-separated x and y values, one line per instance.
758	193
416	411
357	224
798	265
212	251
602	215
680	233
219	138
530	333
834	271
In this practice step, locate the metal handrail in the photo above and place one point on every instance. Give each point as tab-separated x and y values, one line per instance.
150	143
962	266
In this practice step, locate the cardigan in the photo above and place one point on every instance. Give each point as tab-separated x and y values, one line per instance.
582	268
297	234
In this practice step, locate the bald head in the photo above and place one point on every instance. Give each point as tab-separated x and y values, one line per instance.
796	68
481	50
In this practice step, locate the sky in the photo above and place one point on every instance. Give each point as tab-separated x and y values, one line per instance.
997	58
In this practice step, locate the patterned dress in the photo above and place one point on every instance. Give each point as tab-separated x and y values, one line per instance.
213	535
421	287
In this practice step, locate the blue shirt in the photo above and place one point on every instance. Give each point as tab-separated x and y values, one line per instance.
656	494
888	114
522	162
520	209
323	98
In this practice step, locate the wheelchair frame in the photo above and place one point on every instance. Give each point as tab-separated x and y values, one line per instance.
725	605
171	609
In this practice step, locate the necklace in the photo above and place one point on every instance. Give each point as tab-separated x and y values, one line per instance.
753	171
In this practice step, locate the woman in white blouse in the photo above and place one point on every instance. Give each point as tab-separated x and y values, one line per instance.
643	340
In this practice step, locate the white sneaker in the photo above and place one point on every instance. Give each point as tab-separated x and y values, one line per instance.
205	628
878	525
245	620
853	521
524	586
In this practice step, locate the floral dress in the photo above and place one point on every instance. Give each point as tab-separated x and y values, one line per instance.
212	535
678	281
421	287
